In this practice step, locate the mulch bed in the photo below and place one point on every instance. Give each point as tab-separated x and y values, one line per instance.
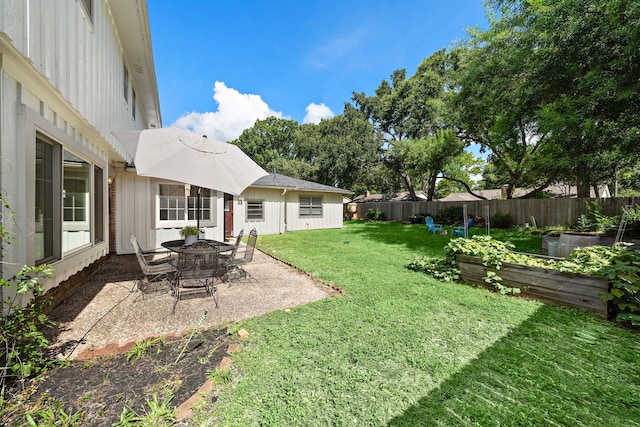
101	387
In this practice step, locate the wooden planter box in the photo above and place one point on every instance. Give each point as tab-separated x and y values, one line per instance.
575	290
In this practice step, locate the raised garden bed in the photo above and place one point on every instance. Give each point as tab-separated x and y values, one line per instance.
575	290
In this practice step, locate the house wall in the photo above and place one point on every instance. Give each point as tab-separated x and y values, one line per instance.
332	214
61	76
80	58
281	211
136	212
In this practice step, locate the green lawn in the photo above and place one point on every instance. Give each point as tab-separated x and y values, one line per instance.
402	349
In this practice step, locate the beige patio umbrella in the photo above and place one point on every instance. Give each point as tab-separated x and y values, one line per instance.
183	156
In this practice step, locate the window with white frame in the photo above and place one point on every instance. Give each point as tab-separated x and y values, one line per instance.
255	210
68	201
205	204
47	205
310	206
98	197
172	202
76	202
179	203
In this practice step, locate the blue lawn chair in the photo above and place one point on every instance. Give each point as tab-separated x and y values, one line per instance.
459	231
434	228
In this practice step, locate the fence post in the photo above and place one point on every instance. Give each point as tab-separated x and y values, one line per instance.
486	220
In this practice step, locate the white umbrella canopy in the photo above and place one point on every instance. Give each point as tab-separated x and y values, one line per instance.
181	155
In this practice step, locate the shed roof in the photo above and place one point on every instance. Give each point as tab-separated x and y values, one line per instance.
276	180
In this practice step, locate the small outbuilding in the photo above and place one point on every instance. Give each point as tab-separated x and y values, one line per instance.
278	203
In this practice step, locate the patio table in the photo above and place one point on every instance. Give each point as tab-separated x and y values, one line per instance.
175	245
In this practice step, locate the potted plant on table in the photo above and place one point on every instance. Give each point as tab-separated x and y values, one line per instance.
190	234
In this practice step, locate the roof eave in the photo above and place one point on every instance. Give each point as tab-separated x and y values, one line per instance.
131	19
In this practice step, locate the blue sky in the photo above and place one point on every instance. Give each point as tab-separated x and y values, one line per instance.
221	65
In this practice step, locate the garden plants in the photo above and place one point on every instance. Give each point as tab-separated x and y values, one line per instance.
619	264
21	339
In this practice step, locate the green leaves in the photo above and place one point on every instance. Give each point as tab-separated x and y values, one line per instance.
439	268
619	264
21	339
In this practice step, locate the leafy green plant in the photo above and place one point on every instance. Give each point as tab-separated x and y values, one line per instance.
159	413
21	339
440	268
189	230
623	272
141	347
619	264
493	279
449	216
220	376
594	220
375	215
500	220
493	254
632	230
418	218
54	415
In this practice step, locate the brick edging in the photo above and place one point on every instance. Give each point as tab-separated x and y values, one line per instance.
185	409
115	348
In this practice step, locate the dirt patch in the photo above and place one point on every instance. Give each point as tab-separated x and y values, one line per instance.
101	387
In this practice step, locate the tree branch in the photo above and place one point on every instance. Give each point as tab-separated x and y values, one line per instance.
465	185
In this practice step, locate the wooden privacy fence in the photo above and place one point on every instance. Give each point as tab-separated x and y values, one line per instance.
546	212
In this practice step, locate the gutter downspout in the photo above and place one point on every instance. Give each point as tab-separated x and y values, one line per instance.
284	206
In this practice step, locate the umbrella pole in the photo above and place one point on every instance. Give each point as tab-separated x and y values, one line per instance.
198	211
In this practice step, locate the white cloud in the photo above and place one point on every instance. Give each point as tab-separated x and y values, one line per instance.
316	112
236	112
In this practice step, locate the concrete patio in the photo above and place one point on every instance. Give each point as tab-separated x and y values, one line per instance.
108	309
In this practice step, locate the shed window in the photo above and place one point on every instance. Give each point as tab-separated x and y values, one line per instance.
255	211
310	206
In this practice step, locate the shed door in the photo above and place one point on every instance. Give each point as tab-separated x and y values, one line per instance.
228	215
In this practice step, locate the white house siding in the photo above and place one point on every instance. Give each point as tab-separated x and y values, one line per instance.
281	211
332	214
273	221
136	204
61	76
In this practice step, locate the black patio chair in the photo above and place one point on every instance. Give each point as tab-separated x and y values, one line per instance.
150	255
225	258
157	277
198	271
236	265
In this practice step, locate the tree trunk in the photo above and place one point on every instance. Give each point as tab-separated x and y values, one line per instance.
412	192
583	187
431	190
